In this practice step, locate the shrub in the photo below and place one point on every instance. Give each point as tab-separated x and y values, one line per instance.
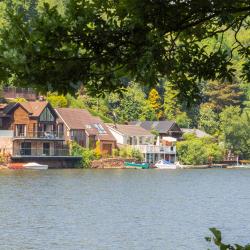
57	101
136	154
98	149
115	152
88	155
195	151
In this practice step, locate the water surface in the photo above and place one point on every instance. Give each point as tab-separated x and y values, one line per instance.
122	209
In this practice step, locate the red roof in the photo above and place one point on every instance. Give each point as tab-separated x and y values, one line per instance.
81	119
34	108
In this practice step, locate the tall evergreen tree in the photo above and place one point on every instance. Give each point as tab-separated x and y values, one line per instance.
223	94
171	105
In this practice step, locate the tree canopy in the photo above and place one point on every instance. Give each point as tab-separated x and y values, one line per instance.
98	43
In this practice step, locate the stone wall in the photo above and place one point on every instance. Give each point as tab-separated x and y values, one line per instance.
109	163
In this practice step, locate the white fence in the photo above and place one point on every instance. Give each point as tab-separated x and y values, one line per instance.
153	149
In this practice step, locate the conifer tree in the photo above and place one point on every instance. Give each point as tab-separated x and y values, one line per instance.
171	105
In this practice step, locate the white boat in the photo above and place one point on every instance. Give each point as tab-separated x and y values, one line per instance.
163	164
35	166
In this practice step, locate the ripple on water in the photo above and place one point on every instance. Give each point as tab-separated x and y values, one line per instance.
122	209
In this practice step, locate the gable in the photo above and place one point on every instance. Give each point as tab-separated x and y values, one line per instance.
47	115
20	115
175	128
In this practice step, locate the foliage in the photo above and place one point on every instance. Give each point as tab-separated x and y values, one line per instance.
125	152
98	43
18	100
57	101
132	105
234	128
208	120
136	154
171	105
217	240
115	152
155	102
223	94
98	151
195	151
129	152
183	120
88	155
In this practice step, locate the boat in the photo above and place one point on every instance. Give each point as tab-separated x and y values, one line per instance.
163	164
136	165
35	166
16	166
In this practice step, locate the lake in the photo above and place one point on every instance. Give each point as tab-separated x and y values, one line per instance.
122	209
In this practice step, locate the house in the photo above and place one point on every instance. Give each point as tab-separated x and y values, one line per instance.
163	128
197	132
80	126
34	129
139	138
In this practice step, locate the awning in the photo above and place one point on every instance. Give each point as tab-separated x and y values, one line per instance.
169	139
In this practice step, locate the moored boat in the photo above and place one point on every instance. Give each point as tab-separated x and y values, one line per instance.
35	166
163	164
136	165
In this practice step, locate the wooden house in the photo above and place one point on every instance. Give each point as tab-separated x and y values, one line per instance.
35	131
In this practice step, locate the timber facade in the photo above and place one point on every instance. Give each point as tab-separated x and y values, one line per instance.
35	131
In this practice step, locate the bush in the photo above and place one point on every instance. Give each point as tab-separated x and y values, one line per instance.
129	152
57	101
125	152
136	154
115	152
196	151
88	155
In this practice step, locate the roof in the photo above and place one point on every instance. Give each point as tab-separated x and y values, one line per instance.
131	130
81	119
34	108
160	126
76	118
197	132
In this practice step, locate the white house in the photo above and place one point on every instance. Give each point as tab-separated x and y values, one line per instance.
141	139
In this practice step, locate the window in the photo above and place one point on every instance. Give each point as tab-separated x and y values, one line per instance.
46	116
100	128
46	148
1	123
25	148
20	130
140	140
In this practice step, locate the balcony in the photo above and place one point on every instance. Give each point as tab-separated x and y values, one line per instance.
46	135
153	149
39	152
